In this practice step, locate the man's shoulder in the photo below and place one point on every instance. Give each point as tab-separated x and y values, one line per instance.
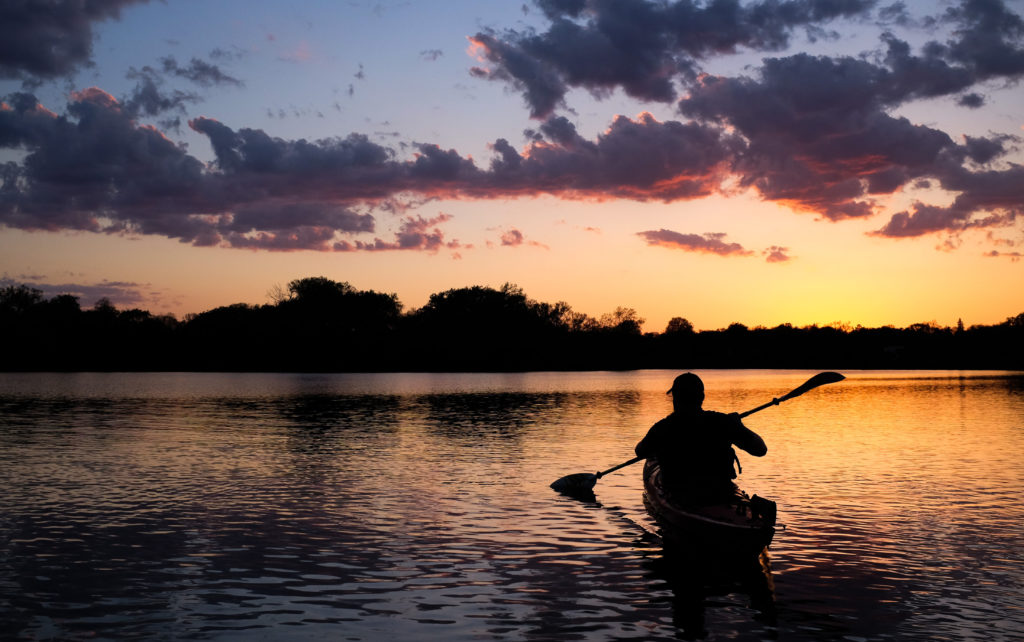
665	426
671	420
713	415
717	420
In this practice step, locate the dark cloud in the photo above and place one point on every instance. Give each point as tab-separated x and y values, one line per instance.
150	98
972	101
50	39
274	216
94	163
415	233
200	72
818	135
646	48
555	9
815	133
986	199
642	159
985	150
97	169
988	39
710	243
543	88
639	46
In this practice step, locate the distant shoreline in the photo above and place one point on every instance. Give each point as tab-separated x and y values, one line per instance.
325	326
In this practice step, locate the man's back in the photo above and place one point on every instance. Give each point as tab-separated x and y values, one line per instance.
695	452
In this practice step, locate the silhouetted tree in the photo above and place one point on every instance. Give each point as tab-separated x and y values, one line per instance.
622	320
678	325
479	327
18	299
320	324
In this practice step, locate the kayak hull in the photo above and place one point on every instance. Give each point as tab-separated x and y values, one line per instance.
731	526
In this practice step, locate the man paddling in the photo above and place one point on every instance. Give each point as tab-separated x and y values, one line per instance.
694	446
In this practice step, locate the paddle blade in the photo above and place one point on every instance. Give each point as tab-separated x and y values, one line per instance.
819	379
577	483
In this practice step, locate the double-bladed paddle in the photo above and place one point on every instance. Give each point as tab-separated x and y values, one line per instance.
583	482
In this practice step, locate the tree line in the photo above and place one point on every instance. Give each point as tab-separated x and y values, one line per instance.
320	325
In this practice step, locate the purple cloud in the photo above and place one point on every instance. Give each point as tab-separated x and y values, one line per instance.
709	243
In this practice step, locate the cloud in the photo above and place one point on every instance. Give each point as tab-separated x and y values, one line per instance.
642	159
97	169
515	238
92	169
709	243
989	39
415	233
777	254
120	293
149	98
818	136
200	72
646	48
1013	256
512	238
986	199
639	47
814	133
41	40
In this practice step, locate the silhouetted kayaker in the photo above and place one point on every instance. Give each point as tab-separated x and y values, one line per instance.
694	446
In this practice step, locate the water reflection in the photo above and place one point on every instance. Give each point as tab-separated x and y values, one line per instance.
693	581
702	583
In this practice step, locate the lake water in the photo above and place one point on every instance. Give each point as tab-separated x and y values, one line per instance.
417	507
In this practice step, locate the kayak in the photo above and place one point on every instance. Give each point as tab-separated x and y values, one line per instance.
741	525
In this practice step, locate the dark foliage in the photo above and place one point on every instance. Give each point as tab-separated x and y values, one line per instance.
322	325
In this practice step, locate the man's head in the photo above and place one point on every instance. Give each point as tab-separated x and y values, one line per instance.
687	392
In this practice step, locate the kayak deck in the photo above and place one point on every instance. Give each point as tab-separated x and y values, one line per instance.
735	525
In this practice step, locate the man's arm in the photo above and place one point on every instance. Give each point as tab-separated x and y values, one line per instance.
643	448
648	446
747	439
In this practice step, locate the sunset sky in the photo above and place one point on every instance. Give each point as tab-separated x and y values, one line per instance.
761	162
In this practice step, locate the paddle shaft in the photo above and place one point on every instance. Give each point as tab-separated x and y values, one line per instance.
815	381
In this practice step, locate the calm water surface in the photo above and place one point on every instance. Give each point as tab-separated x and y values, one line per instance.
417	507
